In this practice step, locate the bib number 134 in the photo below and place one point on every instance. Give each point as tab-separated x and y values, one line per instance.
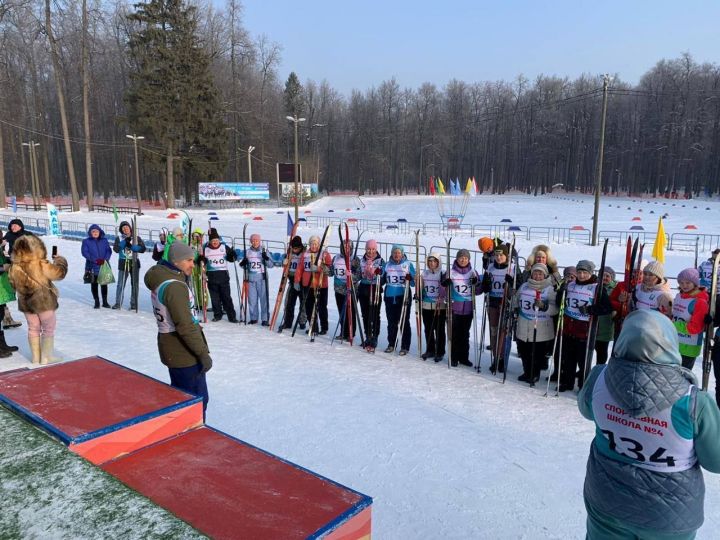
632	449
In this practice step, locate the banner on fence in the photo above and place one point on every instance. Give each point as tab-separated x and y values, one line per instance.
306	191
233	191
53	221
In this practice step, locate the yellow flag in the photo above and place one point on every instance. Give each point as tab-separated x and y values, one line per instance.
441	187
658	251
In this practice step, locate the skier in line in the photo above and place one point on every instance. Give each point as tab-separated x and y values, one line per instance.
493	284
606	327
340	286
643	475
690	315
371	266
16	229
124	246
96	251
459	281
159	247
653	292
32	277
311	277
541	254
705	270
257	261
296	250
536	305
398	272
7	294
181	343
569	275
216	255
433	308
579	295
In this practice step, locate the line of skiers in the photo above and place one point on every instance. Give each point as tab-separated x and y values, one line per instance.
544	303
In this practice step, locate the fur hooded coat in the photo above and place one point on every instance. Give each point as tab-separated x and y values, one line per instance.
31	274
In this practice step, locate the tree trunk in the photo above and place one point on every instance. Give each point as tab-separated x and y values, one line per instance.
170	196
63	111
2	172
86	106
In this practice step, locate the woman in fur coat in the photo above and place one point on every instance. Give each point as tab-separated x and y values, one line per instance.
31	274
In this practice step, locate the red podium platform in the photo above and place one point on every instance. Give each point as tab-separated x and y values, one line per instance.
100	409
150	436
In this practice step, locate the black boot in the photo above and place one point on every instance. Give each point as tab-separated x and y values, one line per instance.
97	304
4	347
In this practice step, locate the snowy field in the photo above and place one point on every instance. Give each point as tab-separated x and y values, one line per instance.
444	453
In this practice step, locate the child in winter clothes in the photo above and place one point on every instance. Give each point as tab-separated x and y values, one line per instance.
399	274
461	282
342	295
433	308
215	255
370	293
96	251
536	305
653	292
32	275
296	250
125	247
257	262
643	474
579	308
493	285
312	275
690	315
606	327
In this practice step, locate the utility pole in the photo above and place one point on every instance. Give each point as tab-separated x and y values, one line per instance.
135	139
249	151
598	181
295	120
34	180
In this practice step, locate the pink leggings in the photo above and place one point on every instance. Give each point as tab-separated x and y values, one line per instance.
41	323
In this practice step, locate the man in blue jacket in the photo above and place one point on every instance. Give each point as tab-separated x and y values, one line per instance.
654	430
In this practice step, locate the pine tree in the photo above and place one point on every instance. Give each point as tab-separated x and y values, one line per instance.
293	95
172	99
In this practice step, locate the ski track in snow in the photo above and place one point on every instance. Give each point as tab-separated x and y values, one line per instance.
444	453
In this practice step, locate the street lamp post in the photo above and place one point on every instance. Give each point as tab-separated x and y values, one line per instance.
295	120
249	151
135	139
598	183
421	167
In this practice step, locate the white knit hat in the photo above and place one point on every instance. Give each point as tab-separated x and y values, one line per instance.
656	269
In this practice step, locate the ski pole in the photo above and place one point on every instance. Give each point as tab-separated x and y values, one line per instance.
534	344
474	323
482	333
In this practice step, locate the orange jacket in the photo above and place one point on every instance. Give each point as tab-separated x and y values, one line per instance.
302	276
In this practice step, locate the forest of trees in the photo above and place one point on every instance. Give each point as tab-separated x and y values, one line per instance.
77	77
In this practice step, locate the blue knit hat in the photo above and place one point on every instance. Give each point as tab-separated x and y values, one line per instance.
398	246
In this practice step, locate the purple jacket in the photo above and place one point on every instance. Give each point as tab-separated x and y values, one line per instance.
463	308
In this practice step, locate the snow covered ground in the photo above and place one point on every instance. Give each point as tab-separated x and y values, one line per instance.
444	453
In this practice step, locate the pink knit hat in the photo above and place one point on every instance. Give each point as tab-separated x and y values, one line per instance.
691	275
371	244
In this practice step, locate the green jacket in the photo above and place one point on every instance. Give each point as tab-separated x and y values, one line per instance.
606	327
186	345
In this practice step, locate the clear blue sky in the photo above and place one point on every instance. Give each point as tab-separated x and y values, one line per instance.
358	44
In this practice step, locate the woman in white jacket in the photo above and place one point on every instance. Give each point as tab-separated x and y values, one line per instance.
536	305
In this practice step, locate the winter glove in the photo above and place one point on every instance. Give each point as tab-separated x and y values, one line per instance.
243	263
265	256
355	264
473	279
588	310
707	319
136	249
296	286
509	279
540	305
313	268
378	271
446	282
99	262
206	362
408	277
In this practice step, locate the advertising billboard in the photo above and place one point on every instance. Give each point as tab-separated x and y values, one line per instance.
233	191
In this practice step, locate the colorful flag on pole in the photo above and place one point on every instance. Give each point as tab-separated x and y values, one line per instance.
658	251
13	202
115	213
432	186
290	225
441	188
53	221
468	187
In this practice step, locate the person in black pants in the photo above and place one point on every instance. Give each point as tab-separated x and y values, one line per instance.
433	309
215	256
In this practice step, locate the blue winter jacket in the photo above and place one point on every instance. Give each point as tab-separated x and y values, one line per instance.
394	290
645	377
94	249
